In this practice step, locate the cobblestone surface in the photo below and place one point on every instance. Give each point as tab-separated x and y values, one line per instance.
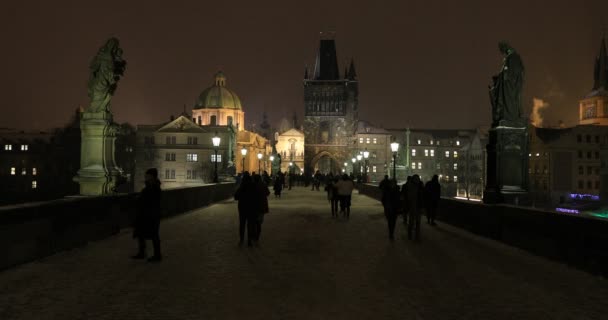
309	266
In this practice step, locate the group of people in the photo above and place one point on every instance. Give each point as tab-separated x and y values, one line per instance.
252	196
339	191
413	197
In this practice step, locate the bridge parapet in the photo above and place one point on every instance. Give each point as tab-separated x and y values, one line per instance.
34	230
578	241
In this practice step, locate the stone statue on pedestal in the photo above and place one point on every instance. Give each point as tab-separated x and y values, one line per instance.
99	174
506	89
507	149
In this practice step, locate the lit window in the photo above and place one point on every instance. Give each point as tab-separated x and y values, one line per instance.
419	142
538	154
8	147
413	152
457	142
360	140
13	170
219	158
455	166
455	154
431	142
426	152
191	157
34	171
447	154
374	169
23	172
419	165
375	140
432	153
24	147
455	178
34	184
367	140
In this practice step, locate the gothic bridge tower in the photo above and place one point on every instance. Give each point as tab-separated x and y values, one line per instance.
330	114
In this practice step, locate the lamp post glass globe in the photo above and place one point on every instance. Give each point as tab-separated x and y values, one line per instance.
244	151
359	157
271	158
353	160
394	146
366	154
216	141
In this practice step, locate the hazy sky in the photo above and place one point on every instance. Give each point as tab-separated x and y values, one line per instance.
420	63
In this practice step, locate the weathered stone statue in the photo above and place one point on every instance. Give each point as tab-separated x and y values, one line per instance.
505	92
507	149
106	69
99	174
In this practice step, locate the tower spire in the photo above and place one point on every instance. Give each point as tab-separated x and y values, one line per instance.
601	68
326	65
305	72
352	73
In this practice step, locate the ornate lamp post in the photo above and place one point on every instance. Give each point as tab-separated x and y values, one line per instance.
359	157
365	155
244	153
354	160
260	162
395	149
216	143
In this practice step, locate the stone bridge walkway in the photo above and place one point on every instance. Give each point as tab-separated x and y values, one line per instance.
308	266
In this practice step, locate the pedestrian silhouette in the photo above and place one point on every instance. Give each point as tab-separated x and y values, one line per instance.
245	195
147	218
432	192
415	201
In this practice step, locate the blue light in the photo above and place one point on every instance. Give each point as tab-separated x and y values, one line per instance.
584	196
564	210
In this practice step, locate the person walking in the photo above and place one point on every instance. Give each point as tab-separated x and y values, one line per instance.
433	194
385	186
404	204
415	203
392	207
345	188
261	195
245	195
332	195
147	218
278	185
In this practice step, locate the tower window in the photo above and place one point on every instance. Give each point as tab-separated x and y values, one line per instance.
24	147
34	184
8	147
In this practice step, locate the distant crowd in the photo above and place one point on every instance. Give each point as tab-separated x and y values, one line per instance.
252	194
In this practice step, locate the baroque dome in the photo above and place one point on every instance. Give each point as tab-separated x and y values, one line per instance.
218	96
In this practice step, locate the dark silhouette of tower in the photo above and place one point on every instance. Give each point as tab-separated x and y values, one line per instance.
330	111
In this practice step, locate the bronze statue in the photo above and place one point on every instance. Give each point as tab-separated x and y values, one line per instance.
106	69
505	92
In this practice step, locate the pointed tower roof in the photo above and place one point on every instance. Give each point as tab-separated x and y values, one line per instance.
306	73
601	68
352	73
326	66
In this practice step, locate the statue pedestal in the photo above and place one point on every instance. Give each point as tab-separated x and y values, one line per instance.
507	166
98	172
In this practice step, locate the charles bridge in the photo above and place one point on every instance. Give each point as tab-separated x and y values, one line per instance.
69	259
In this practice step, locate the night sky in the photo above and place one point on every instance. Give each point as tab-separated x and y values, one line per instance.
426	64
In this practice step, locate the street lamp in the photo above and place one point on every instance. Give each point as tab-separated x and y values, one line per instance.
259	162
365	155
359	157
216	143
395	149
244	153
271	164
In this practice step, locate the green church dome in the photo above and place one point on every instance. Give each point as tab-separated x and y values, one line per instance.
218	96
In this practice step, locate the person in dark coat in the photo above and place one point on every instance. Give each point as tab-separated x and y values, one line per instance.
415	203
392	206
432	194
404	198
261	195
147	218
332	195
278	185
385	186
245	195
